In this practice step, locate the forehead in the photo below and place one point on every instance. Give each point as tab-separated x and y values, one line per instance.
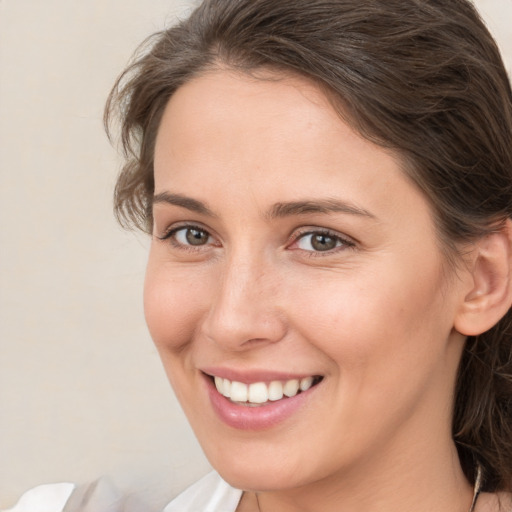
260	102
279	137
225	111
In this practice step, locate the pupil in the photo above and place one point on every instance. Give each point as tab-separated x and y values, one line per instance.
196	237
323	242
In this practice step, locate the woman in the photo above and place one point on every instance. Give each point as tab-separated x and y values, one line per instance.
328	188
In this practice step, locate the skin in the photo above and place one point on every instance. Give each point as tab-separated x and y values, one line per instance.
374	316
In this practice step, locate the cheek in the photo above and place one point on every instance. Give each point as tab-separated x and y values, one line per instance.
384	338
373	316
174	300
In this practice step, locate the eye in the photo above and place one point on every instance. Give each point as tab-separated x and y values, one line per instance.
320	241
191	236
188	237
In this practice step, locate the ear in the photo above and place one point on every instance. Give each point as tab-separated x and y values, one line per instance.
490	283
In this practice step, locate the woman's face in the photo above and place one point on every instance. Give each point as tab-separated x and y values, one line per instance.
288	251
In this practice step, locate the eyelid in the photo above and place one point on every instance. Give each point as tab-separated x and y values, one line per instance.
171	228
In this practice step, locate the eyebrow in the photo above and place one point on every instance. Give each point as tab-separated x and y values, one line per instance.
278	210
185	202
308	206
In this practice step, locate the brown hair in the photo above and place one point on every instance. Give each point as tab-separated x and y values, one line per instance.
422	77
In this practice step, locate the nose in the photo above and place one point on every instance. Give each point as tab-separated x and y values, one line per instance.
244	310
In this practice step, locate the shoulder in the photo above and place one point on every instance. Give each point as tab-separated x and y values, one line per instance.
44	498
210	494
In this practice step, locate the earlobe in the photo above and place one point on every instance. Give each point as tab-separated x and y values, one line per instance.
490	293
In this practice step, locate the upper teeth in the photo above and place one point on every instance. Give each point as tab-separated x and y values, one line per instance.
261	392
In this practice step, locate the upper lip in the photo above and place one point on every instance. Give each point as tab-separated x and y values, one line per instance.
249	376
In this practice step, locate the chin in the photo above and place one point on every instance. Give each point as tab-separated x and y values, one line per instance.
261	473
258	479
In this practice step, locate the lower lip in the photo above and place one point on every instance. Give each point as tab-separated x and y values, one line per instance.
256	418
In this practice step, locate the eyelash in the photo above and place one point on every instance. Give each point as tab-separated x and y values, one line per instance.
342	242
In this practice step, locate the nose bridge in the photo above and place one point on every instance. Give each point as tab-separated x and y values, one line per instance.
245	304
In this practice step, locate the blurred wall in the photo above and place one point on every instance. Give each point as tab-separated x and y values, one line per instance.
82	392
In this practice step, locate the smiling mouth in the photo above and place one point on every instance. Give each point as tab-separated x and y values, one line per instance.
262	393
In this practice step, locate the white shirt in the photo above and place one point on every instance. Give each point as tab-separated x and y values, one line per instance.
210	494
44	498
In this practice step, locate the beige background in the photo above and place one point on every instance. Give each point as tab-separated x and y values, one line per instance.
82	393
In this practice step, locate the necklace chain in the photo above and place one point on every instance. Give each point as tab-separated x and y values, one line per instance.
477	489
